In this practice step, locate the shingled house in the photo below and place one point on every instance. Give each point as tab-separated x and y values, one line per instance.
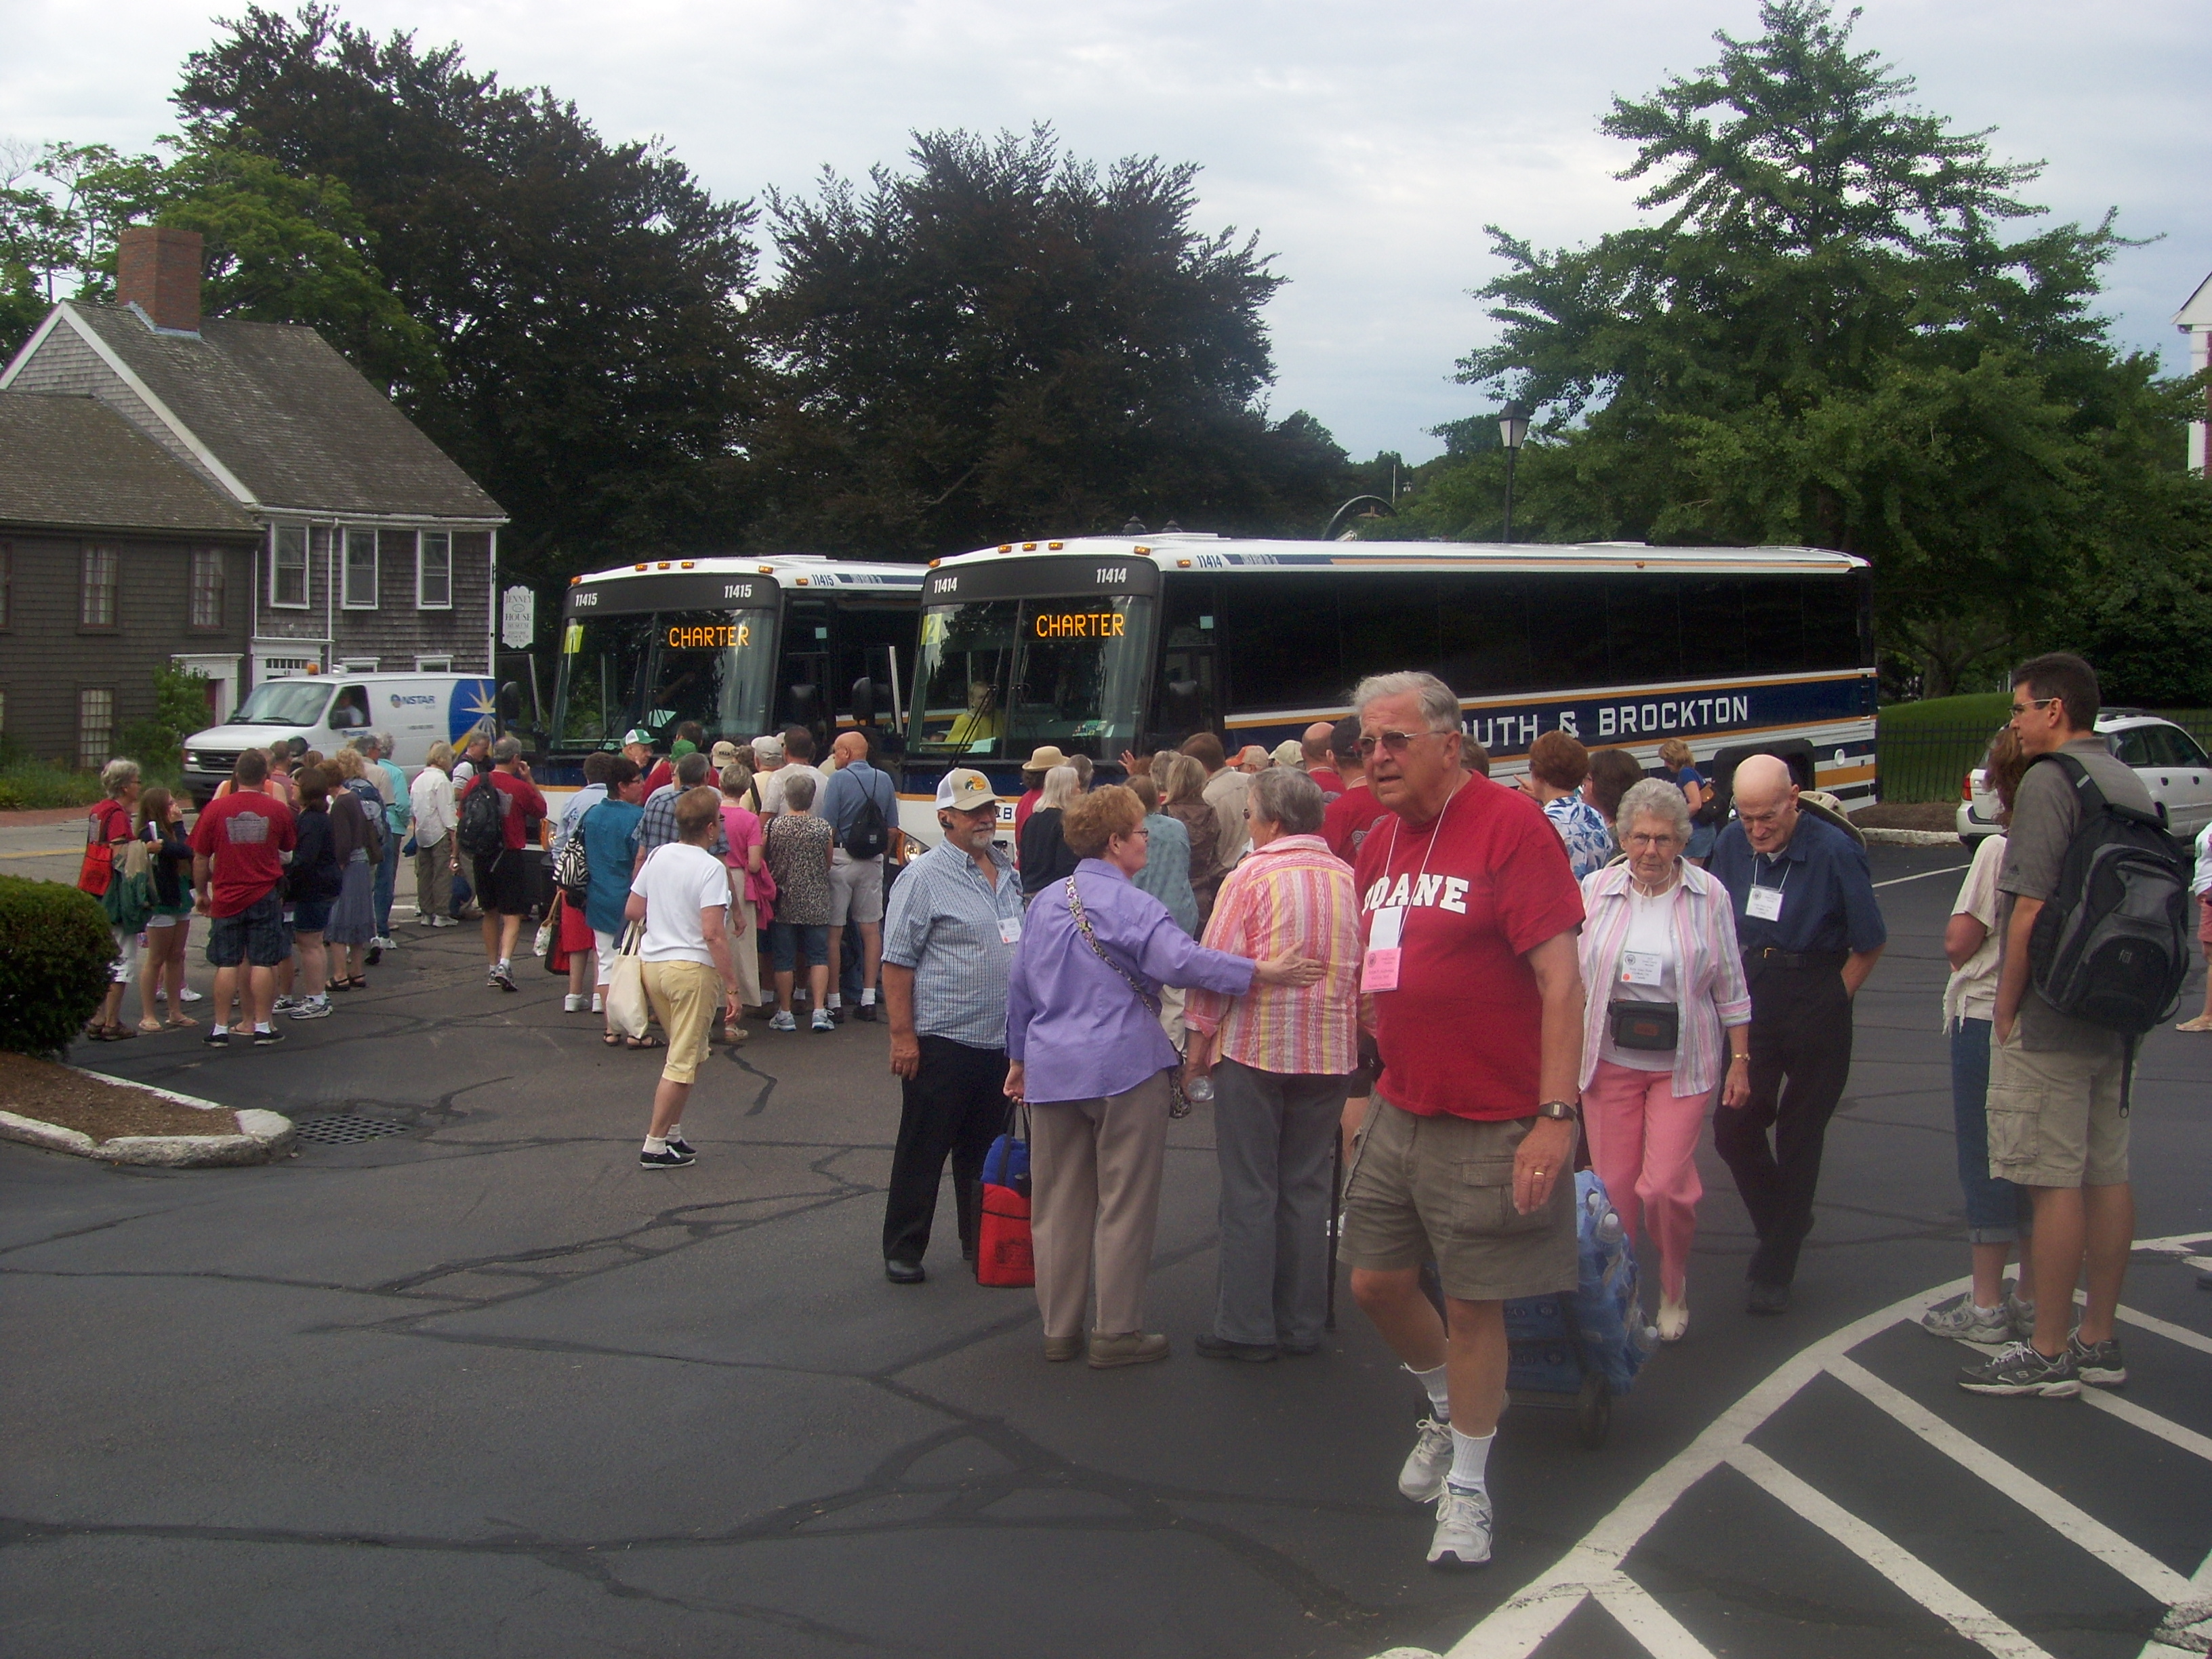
115	559
376	552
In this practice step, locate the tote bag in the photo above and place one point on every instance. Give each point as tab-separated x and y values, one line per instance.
628	1010
1004	1254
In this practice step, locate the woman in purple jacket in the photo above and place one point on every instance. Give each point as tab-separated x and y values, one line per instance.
1087	1052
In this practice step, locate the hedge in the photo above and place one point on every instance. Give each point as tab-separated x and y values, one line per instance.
55	951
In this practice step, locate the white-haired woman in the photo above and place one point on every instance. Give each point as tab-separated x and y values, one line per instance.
107	832
1046	857
1668	1017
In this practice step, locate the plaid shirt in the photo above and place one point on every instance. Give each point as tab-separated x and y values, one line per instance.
1292	896
658	827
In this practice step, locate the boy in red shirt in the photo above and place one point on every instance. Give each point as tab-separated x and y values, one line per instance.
239	848
503	884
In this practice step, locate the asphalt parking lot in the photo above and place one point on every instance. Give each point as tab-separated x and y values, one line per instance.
481	1386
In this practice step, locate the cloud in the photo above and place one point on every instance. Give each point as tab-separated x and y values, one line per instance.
1367	145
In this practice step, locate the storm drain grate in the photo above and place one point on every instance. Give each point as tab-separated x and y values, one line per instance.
343	1129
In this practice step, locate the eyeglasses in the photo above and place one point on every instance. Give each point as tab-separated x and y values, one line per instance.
1397	742
1666	838
2034	703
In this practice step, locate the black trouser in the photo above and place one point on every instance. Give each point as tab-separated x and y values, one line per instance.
955	1104
1800	1056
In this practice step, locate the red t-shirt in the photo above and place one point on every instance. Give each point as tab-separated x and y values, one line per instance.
108	821
1326	777
1345	825
523	801
1462	1033
664	771
245	835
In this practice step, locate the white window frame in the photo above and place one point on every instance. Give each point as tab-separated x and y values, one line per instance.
86	756
423	538
278	534
354	535
356	665
206	558
434	665
110	561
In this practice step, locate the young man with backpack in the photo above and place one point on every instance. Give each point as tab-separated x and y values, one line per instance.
2063	1035
861	806
492	812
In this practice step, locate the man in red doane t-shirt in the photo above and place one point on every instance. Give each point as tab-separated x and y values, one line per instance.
239	847
503	885
1468	914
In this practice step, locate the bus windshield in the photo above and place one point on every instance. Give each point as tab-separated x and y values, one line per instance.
998	677
656	669
285	703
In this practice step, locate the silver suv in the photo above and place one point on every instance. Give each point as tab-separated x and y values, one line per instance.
2171	764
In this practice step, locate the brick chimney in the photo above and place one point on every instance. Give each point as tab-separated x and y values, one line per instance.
159	271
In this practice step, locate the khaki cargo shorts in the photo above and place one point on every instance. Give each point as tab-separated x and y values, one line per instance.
1442	1188
2055	1113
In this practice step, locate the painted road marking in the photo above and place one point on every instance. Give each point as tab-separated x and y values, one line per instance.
1898	881
1591	1569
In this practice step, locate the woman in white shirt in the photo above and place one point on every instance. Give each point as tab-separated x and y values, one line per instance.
682	894
1665	984
2201	885
430	797
1997	1213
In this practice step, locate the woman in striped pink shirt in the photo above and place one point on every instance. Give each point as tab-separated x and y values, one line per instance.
1665	982
1281	1058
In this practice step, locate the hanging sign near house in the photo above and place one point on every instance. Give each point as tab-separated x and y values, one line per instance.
518	618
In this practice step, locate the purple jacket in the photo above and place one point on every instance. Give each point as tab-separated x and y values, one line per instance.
1078	1030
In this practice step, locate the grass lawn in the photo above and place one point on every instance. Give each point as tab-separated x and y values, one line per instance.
1985	709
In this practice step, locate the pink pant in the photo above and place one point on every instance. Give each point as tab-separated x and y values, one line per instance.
1644	1146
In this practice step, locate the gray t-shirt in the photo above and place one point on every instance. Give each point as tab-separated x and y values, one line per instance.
2045	814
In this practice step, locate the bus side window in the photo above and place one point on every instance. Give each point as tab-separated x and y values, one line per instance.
1386	622
1713	627
1188	698
1643	637
1566	633
1774	625
1483	634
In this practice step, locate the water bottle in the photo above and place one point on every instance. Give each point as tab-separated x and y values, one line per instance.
1199	1090
1609	1231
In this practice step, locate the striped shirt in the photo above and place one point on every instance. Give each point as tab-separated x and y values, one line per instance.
950	927
1708	968
1291	897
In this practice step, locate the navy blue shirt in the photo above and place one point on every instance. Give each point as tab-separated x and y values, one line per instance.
1827	889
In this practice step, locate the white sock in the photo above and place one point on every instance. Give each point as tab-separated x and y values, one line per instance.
218	1029
261	1025
599	1002
1439	1388
504	964
656	1143
836	1000
868	999
674	1133
1470	1458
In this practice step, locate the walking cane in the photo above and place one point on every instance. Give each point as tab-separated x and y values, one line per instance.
1335	1213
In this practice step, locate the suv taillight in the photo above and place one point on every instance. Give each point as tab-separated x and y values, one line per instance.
1966	788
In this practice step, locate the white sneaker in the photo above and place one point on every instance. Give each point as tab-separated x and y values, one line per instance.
573	1005
1962	1321
1422	1479
1674	1320
188	995
821	1021
598	1003
286	1005
1462	1535
783	1022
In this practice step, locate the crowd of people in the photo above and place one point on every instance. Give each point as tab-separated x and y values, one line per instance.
1298	937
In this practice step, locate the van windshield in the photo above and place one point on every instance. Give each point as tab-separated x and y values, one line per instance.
284	703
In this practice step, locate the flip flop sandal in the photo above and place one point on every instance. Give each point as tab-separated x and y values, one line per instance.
150	1025
181	1023
647	1042
612	1039
120	1034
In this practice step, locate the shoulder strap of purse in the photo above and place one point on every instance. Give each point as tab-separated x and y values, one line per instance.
1083	927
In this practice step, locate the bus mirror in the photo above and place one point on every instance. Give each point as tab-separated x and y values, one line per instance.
805	704
864	701
1182	709
510	704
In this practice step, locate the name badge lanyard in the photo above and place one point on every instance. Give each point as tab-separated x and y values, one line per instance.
1379	968
1765	904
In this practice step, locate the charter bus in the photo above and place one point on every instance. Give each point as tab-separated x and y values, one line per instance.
742	645
1103	645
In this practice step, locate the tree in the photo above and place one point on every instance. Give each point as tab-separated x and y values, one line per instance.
1007	342
586	299
1828	338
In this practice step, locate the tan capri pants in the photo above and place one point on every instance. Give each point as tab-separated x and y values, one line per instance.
685	996
1094	1205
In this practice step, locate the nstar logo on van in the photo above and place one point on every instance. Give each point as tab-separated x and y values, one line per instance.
398	701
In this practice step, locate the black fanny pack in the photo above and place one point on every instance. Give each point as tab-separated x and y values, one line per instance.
1655	1026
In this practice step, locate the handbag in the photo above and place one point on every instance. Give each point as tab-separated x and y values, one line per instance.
1178	1102
1005	1255
1655	1027
548	938
572	871
627	1009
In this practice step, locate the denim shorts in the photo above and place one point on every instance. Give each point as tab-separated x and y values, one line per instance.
309	915
256	934
785	938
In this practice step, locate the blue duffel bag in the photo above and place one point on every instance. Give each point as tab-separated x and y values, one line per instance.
1604	1310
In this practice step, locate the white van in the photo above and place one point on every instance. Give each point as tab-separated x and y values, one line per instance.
329	710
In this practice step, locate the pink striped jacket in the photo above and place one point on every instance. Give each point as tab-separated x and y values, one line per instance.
1292	896
1708	967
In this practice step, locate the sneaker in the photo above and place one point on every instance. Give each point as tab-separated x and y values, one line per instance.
375	952
1962	1321
2022	1315
821	1022
424	918
2097	1363
286	1005
572	1005
598	1003
677	1143
1125	1348
1422	1479
445	922
313	1008
268	1039
1462	1535
217	1039
500	977
2021	1369
783	1021
671	1159
188	995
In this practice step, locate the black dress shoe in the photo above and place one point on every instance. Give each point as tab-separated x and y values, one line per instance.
837	1015
867	1010
1211	1346
902	1272
1759	1298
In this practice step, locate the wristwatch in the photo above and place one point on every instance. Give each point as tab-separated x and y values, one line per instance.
1565	1110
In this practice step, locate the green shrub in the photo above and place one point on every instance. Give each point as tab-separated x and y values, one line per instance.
180	708
30	785
55	949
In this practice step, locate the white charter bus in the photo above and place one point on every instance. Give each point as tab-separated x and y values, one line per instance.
1104	644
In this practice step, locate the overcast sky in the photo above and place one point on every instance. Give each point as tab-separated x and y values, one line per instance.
1367	145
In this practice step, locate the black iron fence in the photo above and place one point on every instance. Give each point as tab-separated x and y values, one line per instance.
1931	762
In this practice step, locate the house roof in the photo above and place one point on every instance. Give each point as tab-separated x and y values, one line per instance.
288	417
73	462
2198	312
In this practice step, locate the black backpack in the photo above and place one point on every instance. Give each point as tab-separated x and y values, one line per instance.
2110	946
869	838
482	831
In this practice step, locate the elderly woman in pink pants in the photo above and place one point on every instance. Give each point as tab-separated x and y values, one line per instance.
1668	1016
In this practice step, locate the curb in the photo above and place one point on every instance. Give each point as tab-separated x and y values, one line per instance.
266	1136
1911	837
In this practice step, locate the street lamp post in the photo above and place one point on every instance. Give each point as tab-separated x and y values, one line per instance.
1513	430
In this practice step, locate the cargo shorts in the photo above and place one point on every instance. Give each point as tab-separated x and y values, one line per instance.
2055	1113
1440	1189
